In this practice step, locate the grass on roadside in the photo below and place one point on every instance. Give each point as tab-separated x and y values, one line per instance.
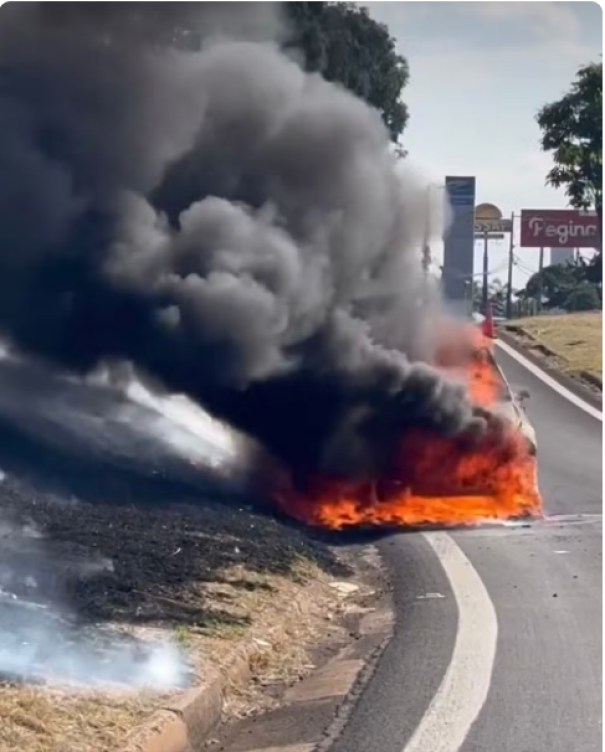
577	338
124	541
41	720
233	577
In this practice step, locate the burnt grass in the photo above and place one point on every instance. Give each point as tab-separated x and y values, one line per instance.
123	529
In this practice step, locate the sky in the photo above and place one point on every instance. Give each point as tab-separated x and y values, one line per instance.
479	72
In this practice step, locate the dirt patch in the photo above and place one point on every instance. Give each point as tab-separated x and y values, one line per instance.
573	343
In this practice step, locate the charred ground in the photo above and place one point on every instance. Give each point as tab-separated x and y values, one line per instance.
151	526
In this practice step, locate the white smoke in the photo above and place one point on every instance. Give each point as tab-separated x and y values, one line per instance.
41	639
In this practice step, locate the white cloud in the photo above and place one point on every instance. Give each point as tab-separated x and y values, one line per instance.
520	184
549	20
437	64
477	64
479	73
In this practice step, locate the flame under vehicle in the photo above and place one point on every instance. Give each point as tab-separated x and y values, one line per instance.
430	477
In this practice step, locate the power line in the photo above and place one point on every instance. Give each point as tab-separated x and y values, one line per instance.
461	275
522	267
527	274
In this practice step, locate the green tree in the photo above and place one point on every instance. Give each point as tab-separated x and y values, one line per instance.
585	297
572	129
343	43
563	286
593	269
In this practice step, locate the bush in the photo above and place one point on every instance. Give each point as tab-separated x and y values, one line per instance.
585	297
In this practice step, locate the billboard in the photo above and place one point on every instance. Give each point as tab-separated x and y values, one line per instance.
489	221
459	241
559	228
490	226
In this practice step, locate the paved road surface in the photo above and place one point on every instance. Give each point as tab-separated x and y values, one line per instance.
498	643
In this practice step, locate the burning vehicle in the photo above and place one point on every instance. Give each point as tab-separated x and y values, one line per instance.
435	479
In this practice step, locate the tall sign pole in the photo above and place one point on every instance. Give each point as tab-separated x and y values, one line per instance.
540	275
489	224
485	295
511	257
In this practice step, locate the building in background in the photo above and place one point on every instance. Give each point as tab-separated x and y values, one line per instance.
560	256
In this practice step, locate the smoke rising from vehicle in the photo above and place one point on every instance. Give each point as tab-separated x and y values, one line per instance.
178	193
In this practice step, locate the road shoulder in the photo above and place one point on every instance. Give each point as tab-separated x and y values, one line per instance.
580	384
308	712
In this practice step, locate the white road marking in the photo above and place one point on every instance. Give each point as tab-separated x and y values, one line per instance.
543	376
577	519
429	596
464	688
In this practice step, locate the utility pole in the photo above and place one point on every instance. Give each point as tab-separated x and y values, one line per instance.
426	248
485	293
468	295
509	289
540	285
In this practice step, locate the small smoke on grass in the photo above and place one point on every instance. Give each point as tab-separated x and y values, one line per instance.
42	641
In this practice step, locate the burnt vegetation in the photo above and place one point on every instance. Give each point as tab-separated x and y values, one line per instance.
130	531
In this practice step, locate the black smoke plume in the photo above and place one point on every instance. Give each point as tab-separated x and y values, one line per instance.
178	193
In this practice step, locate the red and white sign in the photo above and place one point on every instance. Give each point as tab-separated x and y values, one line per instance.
559	228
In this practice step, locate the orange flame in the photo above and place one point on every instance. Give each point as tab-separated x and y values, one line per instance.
439	480
468	357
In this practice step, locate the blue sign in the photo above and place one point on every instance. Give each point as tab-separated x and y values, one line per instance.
460	191
459	241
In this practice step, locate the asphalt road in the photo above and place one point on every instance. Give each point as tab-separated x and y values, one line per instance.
498	638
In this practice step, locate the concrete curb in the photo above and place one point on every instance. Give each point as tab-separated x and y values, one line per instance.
183	724
574	385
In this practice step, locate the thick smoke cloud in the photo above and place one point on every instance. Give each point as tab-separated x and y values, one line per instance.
178	193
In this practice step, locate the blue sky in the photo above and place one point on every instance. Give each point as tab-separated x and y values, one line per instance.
479	72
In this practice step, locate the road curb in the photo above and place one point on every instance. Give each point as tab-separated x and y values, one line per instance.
569	382
183	724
